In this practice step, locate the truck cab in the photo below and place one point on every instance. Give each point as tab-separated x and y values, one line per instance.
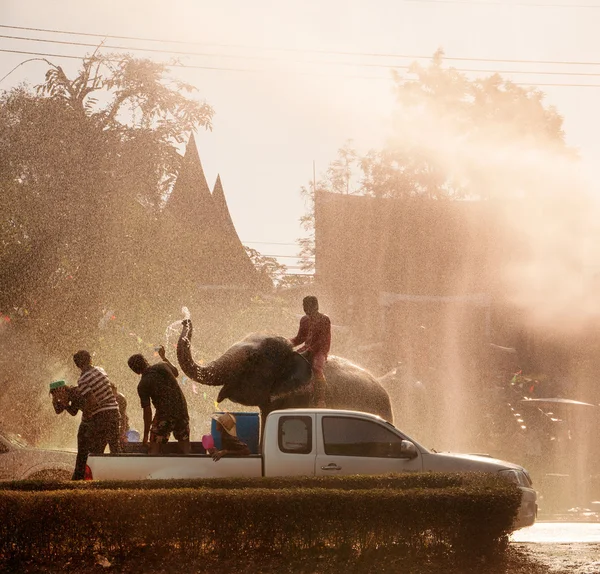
329	442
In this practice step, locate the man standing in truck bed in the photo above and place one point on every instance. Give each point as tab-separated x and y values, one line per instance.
159	385
100	418
314	335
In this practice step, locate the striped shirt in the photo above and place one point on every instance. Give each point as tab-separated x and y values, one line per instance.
94	385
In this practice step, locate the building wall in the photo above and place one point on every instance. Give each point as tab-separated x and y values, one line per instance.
438	251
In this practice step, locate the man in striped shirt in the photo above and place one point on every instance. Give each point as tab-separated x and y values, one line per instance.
102	416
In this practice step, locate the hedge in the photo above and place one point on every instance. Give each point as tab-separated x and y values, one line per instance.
402	481
472	514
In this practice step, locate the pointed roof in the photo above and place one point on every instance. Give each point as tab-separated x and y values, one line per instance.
222	211
198	233
191	196
237	249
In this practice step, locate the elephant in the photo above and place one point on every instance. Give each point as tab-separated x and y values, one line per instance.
264	371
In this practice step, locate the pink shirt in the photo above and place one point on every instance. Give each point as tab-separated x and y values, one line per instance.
315	333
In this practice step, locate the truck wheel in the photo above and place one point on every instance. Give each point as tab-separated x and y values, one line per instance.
51	475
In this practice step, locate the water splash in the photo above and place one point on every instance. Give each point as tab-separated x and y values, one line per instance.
176	325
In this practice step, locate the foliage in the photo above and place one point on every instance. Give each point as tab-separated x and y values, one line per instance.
266	265
257	517
88	161
292	280
354	482
277	272
441	117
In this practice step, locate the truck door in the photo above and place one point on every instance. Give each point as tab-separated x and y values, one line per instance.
351	445
293	454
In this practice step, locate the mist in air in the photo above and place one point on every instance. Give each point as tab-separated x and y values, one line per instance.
159	235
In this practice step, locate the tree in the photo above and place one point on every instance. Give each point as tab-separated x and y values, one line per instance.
291	280
443	125
265	265
88	162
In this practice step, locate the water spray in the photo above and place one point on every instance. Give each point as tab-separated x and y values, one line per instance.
177	324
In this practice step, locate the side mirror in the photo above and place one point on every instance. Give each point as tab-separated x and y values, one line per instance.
408	450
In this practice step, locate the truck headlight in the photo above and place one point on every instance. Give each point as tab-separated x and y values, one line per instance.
518	477
510	475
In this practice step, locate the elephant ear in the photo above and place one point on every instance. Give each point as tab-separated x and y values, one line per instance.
301	371
297	376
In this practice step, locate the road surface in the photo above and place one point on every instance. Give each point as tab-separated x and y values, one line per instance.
559	532
562	547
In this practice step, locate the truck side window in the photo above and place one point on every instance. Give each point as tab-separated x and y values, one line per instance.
346	436
295	435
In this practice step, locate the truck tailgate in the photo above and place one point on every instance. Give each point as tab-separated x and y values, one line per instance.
171	466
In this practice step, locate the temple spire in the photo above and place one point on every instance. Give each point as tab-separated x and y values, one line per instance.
199	236
191	195
237	252
222	210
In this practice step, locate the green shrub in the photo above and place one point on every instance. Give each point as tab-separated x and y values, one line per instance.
402	481
421	513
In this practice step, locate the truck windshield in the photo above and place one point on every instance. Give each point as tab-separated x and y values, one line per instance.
407	437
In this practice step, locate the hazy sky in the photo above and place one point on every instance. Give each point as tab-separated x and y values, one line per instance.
300	102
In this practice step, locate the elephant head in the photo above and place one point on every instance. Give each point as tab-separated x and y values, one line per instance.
256	371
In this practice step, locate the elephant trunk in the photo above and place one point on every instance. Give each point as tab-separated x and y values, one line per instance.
208	374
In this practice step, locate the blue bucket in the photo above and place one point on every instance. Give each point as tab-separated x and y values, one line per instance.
248	430
133	436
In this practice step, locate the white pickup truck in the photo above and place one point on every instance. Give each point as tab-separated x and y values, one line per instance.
21	461
318	442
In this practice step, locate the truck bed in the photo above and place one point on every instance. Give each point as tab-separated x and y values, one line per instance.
143	466
135	464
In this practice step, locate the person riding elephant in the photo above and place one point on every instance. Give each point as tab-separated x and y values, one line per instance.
314	334
264	371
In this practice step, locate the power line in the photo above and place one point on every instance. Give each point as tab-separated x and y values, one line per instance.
166	64
298	274
303	50
505	4
269	243
40	54
284	256
138	49
115	37
354	64
250	70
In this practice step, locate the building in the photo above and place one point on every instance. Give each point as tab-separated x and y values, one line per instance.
393	270
203	243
